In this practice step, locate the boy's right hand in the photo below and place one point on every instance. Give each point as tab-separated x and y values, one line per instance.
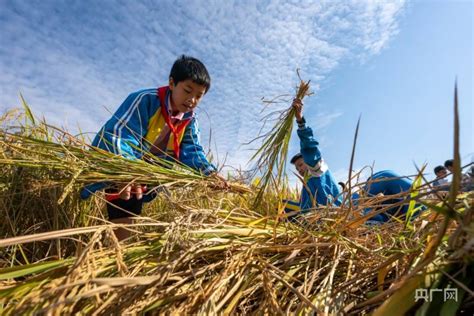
221	183
298	106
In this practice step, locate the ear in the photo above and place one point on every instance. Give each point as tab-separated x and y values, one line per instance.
171	83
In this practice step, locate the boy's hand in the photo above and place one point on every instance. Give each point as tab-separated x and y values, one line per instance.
221	182
127	192
298	106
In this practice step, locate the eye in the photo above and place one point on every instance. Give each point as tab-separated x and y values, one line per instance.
187	91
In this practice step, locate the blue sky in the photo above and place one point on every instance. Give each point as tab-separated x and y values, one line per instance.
393	62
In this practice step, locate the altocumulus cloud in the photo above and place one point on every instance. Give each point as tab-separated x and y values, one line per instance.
74	59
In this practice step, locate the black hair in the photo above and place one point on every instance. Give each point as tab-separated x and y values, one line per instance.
296	157
449	163
186	67
343	185
438	169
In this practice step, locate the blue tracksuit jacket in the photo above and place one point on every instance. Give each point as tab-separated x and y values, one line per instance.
320	186
132	129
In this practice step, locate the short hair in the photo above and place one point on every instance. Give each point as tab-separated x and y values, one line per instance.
296	157
449	163
343	185
186	67
438	169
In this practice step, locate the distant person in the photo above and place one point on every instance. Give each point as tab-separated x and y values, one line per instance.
449	164
466	179
342	185
344	194
441	174
343	191
469	186
319	187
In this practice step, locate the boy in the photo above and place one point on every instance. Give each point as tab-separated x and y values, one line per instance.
161	122
387	183
449	164
319	187
467	183
441	174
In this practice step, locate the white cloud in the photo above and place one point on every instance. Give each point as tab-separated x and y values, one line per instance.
72	59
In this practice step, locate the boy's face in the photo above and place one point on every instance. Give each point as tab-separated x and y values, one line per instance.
185	95
442	173
301	167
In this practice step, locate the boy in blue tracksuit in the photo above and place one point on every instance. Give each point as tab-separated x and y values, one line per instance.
160	121
388	183
319	187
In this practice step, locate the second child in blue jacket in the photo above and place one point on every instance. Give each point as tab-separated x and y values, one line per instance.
388	183
319	187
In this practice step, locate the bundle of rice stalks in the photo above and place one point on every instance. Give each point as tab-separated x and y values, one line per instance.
78	164
43	170
271	157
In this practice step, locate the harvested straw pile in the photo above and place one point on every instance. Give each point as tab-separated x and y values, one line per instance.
201	251
213	261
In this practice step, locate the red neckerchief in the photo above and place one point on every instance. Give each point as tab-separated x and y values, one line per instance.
175	129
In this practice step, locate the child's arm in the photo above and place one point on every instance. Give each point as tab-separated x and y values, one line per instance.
123	133
192	153
308	144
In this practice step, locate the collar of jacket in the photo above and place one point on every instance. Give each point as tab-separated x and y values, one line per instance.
187	115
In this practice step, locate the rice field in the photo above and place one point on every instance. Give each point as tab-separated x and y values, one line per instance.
200	250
